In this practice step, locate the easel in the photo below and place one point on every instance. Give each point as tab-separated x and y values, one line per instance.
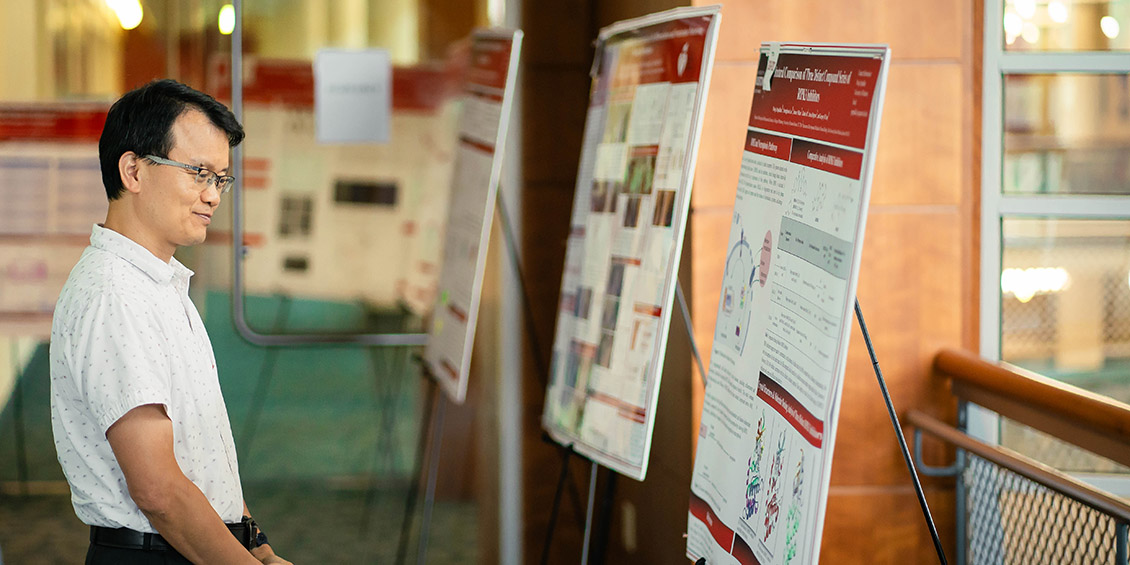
598	547
901	439
567	451
385	398
431	433
433	429
432	424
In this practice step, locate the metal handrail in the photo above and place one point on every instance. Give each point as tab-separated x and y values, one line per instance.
1038	472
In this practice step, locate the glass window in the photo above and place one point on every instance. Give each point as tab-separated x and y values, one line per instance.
1065	300
1066	25
1067	133
1056	203
1065	313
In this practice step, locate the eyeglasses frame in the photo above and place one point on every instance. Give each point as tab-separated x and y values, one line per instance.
222	183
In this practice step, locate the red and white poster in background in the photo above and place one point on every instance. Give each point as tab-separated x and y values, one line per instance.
649	85
487	99
760	484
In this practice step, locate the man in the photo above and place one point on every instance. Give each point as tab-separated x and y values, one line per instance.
141	429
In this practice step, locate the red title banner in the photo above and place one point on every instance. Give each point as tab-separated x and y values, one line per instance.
490	61
666	52
820	97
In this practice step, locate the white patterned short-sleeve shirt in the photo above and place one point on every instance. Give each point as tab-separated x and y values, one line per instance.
125	334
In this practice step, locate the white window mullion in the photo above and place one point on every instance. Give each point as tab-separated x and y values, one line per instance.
1042	62
1066	206
992	136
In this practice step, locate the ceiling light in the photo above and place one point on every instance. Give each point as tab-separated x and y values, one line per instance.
1109	26
227	19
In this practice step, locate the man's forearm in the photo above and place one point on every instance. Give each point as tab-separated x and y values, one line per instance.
187	520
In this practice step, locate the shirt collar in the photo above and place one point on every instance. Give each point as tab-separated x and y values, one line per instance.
138	256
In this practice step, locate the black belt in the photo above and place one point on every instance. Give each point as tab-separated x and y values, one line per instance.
125	538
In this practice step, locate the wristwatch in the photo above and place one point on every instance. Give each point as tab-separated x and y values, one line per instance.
258	538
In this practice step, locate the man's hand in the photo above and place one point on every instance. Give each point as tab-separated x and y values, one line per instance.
142	441
267	556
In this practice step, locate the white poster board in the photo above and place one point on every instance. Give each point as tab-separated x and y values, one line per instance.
488	95
633	189
764	459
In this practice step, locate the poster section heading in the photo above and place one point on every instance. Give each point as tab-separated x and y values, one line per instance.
629	212
487	93
764	454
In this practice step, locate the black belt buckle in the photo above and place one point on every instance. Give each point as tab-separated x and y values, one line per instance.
242	531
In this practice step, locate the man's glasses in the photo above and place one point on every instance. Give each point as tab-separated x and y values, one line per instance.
221	183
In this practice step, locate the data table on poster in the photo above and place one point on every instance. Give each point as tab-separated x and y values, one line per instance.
487	98
762	467
633	189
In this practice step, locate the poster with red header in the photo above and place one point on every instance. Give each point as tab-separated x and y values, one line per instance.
488	95
772	399
649	82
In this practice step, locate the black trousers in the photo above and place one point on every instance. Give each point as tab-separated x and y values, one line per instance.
103	555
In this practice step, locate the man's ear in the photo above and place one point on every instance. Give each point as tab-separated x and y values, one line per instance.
129	167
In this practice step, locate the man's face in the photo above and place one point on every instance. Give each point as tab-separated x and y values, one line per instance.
175	210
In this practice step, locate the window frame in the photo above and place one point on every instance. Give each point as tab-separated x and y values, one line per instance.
995	205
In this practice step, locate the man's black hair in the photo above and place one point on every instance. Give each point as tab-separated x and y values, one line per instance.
142	121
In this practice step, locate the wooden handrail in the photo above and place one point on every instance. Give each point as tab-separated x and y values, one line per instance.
1023	466
1091	421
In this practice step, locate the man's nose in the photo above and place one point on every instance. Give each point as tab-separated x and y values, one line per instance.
211	194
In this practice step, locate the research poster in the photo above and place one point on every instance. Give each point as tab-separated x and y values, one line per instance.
761	473
487	98
649	82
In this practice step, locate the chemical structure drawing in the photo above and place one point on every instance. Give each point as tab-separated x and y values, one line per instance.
792	519
773	506
737	292
753	474
842	205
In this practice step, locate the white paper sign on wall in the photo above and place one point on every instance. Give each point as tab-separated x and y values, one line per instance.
352	96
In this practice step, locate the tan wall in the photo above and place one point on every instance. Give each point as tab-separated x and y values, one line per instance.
918	281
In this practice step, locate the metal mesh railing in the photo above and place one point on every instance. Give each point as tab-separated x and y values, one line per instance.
1010	519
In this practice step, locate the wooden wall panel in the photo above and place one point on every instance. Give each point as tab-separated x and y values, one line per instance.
709	233
907	289
720	147
921	137
914	30
558	36
553	118
895	531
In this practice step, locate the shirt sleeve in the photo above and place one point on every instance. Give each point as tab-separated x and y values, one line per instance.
120	358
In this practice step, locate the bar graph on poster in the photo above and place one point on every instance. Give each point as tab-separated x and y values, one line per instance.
762	468
488	95
633	188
